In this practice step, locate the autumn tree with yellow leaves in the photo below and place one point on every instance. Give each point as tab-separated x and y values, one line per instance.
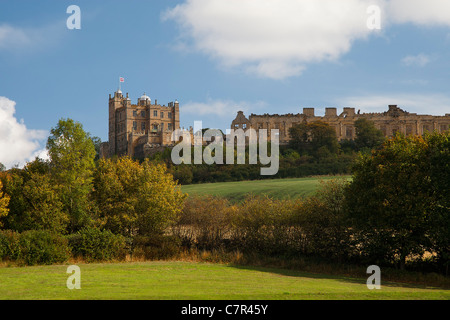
136	198
4	201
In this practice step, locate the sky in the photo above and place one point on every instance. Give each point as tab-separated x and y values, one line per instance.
215	57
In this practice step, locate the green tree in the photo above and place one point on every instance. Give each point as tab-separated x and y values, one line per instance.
136	198
315	138
72	154
34	202
368	136
437	156
397	201
97	145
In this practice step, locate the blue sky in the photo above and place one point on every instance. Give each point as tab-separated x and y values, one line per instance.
215	57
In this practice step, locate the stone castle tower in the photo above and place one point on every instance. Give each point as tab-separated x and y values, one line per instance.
139	129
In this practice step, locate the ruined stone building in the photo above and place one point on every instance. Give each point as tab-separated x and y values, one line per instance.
138	129
389	122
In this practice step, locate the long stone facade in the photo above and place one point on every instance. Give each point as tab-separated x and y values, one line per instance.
138	130
389	122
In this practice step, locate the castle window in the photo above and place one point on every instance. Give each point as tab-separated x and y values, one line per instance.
143	114
142	126
169	126
155	113
444	127
349	132
134	113
155	127
409	129
162	126
134	125
169	115
162	114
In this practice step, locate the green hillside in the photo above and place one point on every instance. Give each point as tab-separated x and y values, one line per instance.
276	188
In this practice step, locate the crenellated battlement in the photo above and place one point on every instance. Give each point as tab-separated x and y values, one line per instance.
389	122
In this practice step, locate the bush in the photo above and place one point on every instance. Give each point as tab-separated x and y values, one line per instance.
262	225
9	245
93	244
43	247
33	247
156	246
205	222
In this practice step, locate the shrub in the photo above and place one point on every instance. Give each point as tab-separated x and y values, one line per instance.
9	245
205	222
33	247
43	247
156	246
93	244
261	224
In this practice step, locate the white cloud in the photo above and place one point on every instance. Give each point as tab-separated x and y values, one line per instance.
421	60
433	104
13	38
18	144
272	38
279	39
421	12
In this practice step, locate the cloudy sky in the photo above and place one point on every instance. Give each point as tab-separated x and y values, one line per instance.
216	57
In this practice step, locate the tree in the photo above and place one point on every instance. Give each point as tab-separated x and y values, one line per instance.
34	202
97	145
4	201
136	199
322	221
315	138
72	154
438	160
367	135
397	200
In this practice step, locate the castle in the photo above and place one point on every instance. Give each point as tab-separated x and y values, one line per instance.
389	122
137	130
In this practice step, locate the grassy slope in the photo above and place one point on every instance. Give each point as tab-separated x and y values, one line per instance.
277	188
188	280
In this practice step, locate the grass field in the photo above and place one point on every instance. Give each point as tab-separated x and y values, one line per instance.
276	188
194	280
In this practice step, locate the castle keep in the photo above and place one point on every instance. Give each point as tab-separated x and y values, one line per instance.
389	122
138	129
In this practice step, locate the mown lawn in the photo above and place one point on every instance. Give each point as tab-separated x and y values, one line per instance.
277	188
192	280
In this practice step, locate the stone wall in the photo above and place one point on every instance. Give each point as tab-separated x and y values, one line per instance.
389	122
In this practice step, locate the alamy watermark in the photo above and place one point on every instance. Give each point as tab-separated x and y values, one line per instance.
74	20
374	19
374	281
236	141
74	280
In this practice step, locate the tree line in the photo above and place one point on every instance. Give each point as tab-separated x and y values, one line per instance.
395	211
